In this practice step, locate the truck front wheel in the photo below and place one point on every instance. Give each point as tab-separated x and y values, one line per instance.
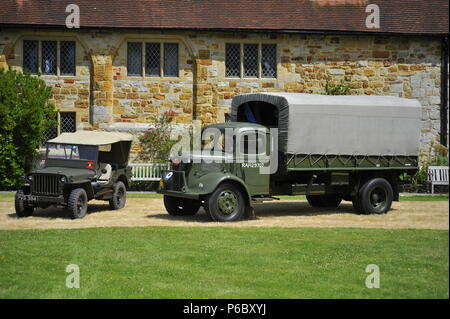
22	209
77	203
176	206
328	200
374	197
226	204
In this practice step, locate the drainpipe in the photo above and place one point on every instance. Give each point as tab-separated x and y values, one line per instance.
444	91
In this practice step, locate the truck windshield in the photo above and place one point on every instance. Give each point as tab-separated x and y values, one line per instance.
72	152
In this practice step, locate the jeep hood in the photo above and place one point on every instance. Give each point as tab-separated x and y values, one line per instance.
76	173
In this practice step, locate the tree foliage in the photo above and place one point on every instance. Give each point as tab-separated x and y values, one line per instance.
25	114
156	143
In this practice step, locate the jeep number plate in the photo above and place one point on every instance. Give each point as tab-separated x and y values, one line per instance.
28	198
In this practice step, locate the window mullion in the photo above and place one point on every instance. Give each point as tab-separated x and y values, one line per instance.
144	49
58	57
161	59
241	58
259	60
39	56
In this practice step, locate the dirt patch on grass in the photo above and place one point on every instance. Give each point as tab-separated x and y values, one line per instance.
151	212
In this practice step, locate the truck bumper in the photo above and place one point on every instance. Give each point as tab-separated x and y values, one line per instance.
178	194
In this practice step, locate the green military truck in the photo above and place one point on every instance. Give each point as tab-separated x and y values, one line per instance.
329	148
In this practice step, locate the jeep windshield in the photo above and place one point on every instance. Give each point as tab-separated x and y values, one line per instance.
71	152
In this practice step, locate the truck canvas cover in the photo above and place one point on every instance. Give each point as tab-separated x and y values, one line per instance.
339	125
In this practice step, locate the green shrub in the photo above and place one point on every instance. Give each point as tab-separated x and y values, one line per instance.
337	89
25	114
156	143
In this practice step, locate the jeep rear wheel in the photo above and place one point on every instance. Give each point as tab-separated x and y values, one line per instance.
119	196
22	209
327	200
226	203
177	206
77	203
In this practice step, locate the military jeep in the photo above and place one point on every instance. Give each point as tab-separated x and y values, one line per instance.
78	167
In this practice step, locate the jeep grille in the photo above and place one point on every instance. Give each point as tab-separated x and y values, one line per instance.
45	185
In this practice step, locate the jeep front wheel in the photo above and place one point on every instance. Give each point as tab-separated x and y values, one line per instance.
77	203
226	204
22	209
177	206
119	196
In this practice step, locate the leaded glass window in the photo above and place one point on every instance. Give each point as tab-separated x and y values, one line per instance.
134	57
67	54
170	59
48	64
67	122
251	60
153	59
30	56
269	60
232	60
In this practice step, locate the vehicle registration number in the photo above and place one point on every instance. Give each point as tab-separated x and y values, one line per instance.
29	198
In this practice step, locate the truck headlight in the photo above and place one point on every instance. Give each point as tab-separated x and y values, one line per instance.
30	178
62	179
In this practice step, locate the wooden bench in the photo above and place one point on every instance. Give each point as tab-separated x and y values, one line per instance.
437	175
147	171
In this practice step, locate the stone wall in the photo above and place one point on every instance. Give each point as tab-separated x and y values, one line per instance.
104	97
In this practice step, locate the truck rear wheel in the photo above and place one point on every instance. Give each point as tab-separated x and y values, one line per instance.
22	209
374	197
119	196
226	204
176	206
77	203
328	200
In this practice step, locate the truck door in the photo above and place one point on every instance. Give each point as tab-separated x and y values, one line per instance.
252	156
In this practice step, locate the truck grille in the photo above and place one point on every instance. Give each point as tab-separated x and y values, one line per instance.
45	185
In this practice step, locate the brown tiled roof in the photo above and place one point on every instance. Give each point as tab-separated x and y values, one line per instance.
397	16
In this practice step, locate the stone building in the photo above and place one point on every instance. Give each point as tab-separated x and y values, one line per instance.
131	60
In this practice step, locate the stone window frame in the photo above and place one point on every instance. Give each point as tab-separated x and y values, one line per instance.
241	72
161	43
58	41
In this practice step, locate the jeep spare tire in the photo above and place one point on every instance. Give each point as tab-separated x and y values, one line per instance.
119	196
77	203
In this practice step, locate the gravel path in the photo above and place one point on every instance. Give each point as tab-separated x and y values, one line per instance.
151	212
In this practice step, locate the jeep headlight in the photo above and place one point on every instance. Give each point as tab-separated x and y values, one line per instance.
62	179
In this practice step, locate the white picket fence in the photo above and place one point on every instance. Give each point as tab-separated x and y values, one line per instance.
147	171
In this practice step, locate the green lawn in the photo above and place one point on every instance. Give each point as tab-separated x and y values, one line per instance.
209	262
